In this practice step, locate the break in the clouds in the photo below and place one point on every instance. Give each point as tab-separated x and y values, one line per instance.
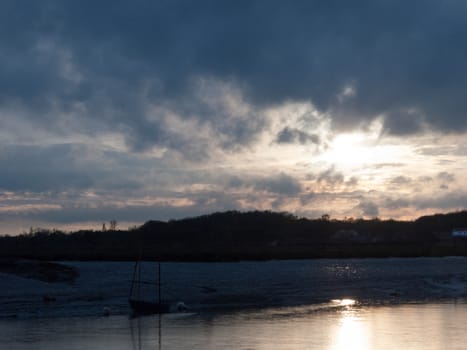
170	108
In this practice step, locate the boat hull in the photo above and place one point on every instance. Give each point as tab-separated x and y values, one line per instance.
146	307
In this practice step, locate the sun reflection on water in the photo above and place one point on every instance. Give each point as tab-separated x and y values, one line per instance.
344	302
352	332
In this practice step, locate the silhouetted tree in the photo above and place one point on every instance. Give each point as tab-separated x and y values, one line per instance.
113	225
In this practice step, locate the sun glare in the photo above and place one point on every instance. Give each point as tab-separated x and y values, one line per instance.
344	302
352	333
350	149
359	149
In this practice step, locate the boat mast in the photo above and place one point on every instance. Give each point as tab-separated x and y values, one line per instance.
133	282
159	281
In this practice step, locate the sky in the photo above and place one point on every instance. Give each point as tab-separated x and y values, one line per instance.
139	110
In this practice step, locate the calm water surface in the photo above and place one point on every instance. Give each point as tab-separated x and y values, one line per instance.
302	304
427	326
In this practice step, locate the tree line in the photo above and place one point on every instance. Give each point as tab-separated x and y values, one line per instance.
235	235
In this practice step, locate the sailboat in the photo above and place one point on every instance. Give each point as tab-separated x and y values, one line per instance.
144	304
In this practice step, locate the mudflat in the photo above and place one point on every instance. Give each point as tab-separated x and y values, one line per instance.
40	270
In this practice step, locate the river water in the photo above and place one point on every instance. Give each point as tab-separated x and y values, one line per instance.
302	304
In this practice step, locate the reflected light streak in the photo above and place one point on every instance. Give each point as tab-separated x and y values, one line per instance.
352	332
344	302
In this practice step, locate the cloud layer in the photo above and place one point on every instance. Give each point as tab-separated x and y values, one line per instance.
106	64
169	98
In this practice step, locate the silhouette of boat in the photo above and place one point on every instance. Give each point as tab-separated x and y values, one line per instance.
142	303
142	307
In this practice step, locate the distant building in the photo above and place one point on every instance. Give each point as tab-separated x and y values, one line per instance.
459	232
443	235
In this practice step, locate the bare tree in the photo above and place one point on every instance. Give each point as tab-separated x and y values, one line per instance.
113	225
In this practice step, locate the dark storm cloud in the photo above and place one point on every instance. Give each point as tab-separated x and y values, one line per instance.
74	210
396	203
105	62
445	179
290	135
368	208
401	181
332	177
445	200
72	214
403	122
281	184
40	169
68	168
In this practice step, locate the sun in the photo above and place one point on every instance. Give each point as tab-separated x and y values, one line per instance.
349	149
360	149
